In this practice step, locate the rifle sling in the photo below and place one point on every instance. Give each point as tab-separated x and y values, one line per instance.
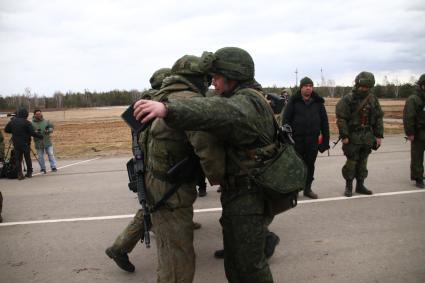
164	199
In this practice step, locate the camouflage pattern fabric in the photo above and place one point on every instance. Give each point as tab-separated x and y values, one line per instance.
128	238
173	224
241	120
361	128
414	124
1	146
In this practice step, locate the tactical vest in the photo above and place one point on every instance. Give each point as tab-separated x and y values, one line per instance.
164	146
362	122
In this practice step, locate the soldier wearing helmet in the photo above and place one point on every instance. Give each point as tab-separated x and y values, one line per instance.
164	148
129	237
360	124
414	127
241	119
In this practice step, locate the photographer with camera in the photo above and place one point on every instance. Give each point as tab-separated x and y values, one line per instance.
22	131
45	128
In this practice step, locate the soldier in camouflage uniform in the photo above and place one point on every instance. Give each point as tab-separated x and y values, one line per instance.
360	124
128	238
414	127
242	119
1	147
1	160
165	147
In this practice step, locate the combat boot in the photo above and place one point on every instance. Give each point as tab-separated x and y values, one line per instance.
29	174
219	254
121	259
348	188
420	183
21	176
202	191
361	189
272	240
196	225
309	193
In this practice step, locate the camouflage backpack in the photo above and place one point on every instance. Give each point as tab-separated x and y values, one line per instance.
282	176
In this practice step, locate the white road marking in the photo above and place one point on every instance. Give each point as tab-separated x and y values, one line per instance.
72	164
214	209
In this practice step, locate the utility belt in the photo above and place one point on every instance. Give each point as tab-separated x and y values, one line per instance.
236	183
254	159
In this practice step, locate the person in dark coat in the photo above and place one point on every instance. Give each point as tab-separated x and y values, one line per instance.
22	131
307	116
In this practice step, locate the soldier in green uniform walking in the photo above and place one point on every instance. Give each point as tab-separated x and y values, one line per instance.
241	118
414	127
360	124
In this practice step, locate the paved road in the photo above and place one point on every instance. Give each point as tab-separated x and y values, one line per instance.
58	225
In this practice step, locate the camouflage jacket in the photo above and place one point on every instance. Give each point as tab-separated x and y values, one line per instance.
1	146
167	145
361	127
414	115
241	120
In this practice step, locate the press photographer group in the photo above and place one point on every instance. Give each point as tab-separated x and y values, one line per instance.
19	145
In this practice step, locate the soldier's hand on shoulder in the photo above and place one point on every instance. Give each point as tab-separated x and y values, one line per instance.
345	140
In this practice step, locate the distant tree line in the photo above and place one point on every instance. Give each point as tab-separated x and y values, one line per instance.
70	100
397	91
124	97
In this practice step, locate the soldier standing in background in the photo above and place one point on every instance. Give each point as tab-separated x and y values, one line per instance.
360	124
414	127
306	114
1	160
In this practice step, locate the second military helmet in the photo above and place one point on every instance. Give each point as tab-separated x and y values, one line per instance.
158	77
232	62
187	65
365	79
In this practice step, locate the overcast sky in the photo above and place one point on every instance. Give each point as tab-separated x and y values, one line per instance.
100	45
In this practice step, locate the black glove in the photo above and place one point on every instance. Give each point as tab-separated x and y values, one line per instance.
324	147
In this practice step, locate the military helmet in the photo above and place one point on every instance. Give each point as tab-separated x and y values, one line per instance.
232	62
286	91
158	77
187	65
365	79
421	80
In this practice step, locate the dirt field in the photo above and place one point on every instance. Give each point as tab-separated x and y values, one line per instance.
90	132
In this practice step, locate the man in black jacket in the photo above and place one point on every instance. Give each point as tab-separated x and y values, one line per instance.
307	116
22	131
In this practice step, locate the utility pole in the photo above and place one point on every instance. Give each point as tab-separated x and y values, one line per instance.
296	77
322	78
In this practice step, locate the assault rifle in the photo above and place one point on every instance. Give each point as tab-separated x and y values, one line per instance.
276	102
136	171
285	134
336	142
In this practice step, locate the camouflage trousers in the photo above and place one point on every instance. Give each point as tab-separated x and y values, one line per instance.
244	231
417	159
173	228
356	164
127	240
